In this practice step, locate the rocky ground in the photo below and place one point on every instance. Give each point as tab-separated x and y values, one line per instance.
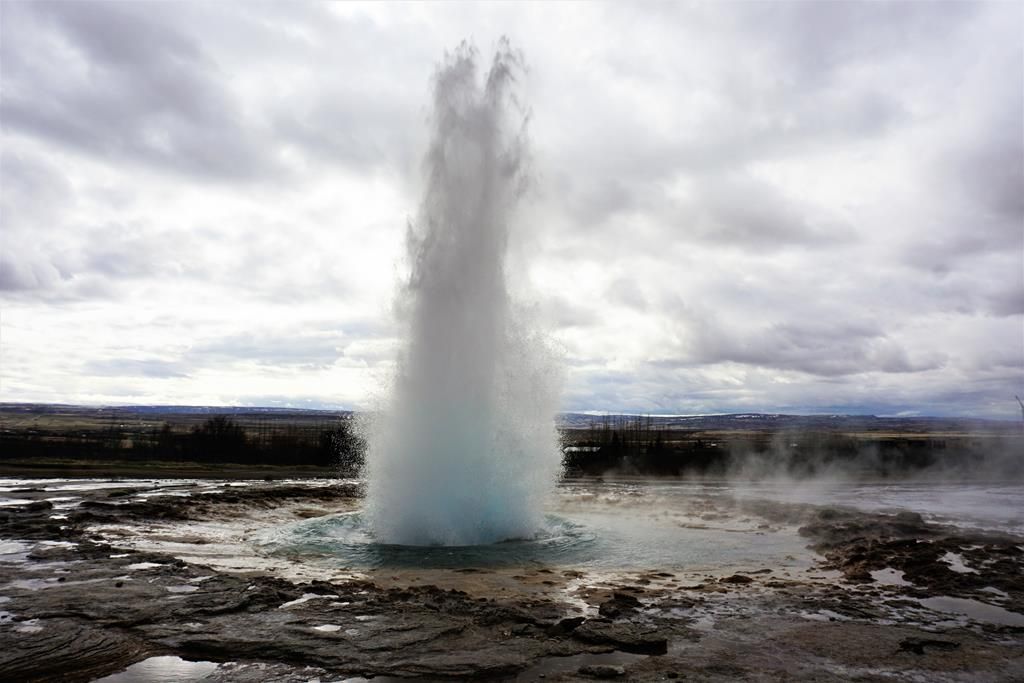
74	607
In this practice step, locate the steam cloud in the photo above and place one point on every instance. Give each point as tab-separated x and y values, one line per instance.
466	451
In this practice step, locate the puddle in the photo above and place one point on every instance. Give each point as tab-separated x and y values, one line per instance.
327	628
956	563
570	665
14	551
973	609
182	589
165	669
306	597
824	615
30	626
144	565
53	582
890	577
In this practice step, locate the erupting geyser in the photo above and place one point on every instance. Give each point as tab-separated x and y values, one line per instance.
466	451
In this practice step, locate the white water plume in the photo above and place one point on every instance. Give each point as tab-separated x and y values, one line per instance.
466	451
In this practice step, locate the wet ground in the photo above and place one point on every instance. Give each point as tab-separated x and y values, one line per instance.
147	580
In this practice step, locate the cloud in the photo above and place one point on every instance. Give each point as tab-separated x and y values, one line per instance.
741	211
627	292
774	206
269	348
132	367
825	349
123	82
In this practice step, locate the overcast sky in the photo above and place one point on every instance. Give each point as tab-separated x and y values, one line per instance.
748	206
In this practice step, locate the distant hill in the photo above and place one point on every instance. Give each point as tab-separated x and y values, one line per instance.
727	422
780	422
60	408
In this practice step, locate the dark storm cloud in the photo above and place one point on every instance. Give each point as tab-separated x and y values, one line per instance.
122	81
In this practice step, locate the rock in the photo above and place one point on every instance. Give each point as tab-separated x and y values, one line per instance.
912	518
626	599
602	671
620	604
622	636
918	645
565	626
736	578
85	652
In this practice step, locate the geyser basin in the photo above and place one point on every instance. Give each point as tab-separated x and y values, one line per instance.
707	572
605	527
591	526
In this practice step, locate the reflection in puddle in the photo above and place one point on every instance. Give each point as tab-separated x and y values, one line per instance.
824	615
327	628
162	670
569	665
890	577
979	611
306	597
956	563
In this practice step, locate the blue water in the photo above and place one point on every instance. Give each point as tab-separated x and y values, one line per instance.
346	539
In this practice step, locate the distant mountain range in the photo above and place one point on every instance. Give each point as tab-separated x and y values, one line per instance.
727	422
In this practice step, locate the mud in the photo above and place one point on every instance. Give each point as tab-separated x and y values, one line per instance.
76	607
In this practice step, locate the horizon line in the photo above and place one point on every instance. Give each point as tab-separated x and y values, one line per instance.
588	413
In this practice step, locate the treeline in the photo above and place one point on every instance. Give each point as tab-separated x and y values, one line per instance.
638	445
219	439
